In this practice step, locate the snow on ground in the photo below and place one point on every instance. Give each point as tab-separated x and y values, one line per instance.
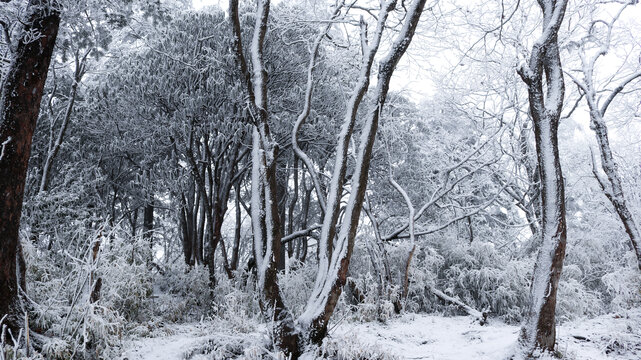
174	344
435	337
419	336
415	336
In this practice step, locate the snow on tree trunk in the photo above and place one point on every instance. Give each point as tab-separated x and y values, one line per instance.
264	205
19	107
56	144
411	214
332	272
611	185
538	332
333	265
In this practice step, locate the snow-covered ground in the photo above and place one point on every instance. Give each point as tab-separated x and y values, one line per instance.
414	336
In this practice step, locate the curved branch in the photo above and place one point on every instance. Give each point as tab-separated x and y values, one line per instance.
306	109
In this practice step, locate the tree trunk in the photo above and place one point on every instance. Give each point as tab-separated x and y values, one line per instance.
333	265
57	143
237	229
333	274
148	221
611	185
538	333
185	233
614	192
266	224
19	107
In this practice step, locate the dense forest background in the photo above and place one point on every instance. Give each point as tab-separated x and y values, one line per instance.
283	169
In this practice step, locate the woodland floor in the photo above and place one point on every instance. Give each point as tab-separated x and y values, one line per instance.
411	336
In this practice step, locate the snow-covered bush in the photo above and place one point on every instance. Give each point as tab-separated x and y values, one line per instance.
296	285
61	284
348	348
183	293
574	299
623	286
236	303
484	278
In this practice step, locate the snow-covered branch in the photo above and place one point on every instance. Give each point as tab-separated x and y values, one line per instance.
307	107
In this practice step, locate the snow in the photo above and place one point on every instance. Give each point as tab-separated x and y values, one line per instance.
177	341
190	341
436	337
420	336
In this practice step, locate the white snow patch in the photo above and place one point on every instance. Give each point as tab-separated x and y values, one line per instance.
435	337
179	340
419	336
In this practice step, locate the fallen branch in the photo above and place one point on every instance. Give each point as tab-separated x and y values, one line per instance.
479	316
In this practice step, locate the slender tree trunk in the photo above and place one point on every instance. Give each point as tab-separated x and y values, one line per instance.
57	143
19	108
266	224
334	258
185	233
291	208
538	333
237	229
95	281
301	251
612	186
332	275
148	220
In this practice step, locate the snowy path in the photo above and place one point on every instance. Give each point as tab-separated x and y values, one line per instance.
433	337
180	340
414	336
457	338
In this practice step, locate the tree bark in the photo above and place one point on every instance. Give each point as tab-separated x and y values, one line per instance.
538	333
266	224
612	186
333	265
237	229
19	108
148	221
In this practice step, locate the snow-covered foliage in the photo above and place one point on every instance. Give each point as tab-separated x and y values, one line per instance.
61	286
147	231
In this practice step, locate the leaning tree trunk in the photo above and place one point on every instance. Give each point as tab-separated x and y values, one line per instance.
333	266
19	107
611	184
538	333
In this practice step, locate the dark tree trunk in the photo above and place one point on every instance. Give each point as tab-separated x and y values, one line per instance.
302	248
148	228
95	281
291	208
19	107
184	231
148	221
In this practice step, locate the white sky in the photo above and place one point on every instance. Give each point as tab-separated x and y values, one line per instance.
198	4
